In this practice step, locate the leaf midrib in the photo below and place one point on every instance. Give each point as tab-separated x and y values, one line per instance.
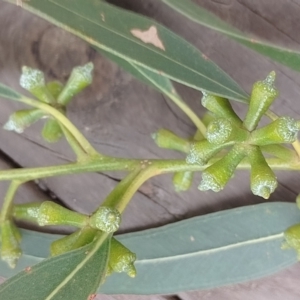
142	45
213	250
68	278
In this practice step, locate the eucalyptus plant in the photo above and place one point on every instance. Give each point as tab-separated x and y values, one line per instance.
227	143
222	144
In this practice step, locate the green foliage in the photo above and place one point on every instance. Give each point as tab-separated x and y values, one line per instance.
162	251
62	277
285	56
138	40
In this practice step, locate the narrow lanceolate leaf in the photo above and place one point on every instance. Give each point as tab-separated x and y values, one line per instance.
137	39
222	248
74	275
285	56
7	92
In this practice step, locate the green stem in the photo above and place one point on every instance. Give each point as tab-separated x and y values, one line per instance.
120	164
8	200
174	97
188	111
124	191
76	147
142	177
84	143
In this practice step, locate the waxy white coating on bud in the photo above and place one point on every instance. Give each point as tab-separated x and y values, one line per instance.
219	131
106	219
80	78
209	182
31	78
200	152
216	176
10	243
21	119
282	130
263	180
262	95
263	187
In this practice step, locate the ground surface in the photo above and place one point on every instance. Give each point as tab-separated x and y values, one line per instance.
118	114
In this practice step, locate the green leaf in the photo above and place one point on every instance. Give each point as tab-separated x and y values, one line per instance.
73	275
222	248
7	92
285	56
137	39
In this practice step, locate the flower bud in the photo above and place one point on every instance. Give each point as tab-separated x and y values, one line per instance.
10	243
51	131
79	79
106	219
121	259
221	107
51	213
27	211
223	130
200	152
262	95
263	180
55	88
168	140
282	130
292	237
77	239
33	81
182	181
216	176
280	151
21	119
298	201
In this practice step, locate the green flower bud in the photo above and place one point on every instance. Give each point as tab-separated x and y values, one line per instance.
223	130
216	176
73	241
262	95
292	237
169	140
33	81
182	181
263	180
106	219
79	79
207	118
280	151
55	88
200	152
10	243
51	213
27	211
51	131
220	107
282	130
121	259
21	119
298	201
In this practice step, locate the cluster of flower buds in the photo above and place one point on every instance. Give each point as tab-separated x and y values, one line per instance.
105	219
53	94
236	140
